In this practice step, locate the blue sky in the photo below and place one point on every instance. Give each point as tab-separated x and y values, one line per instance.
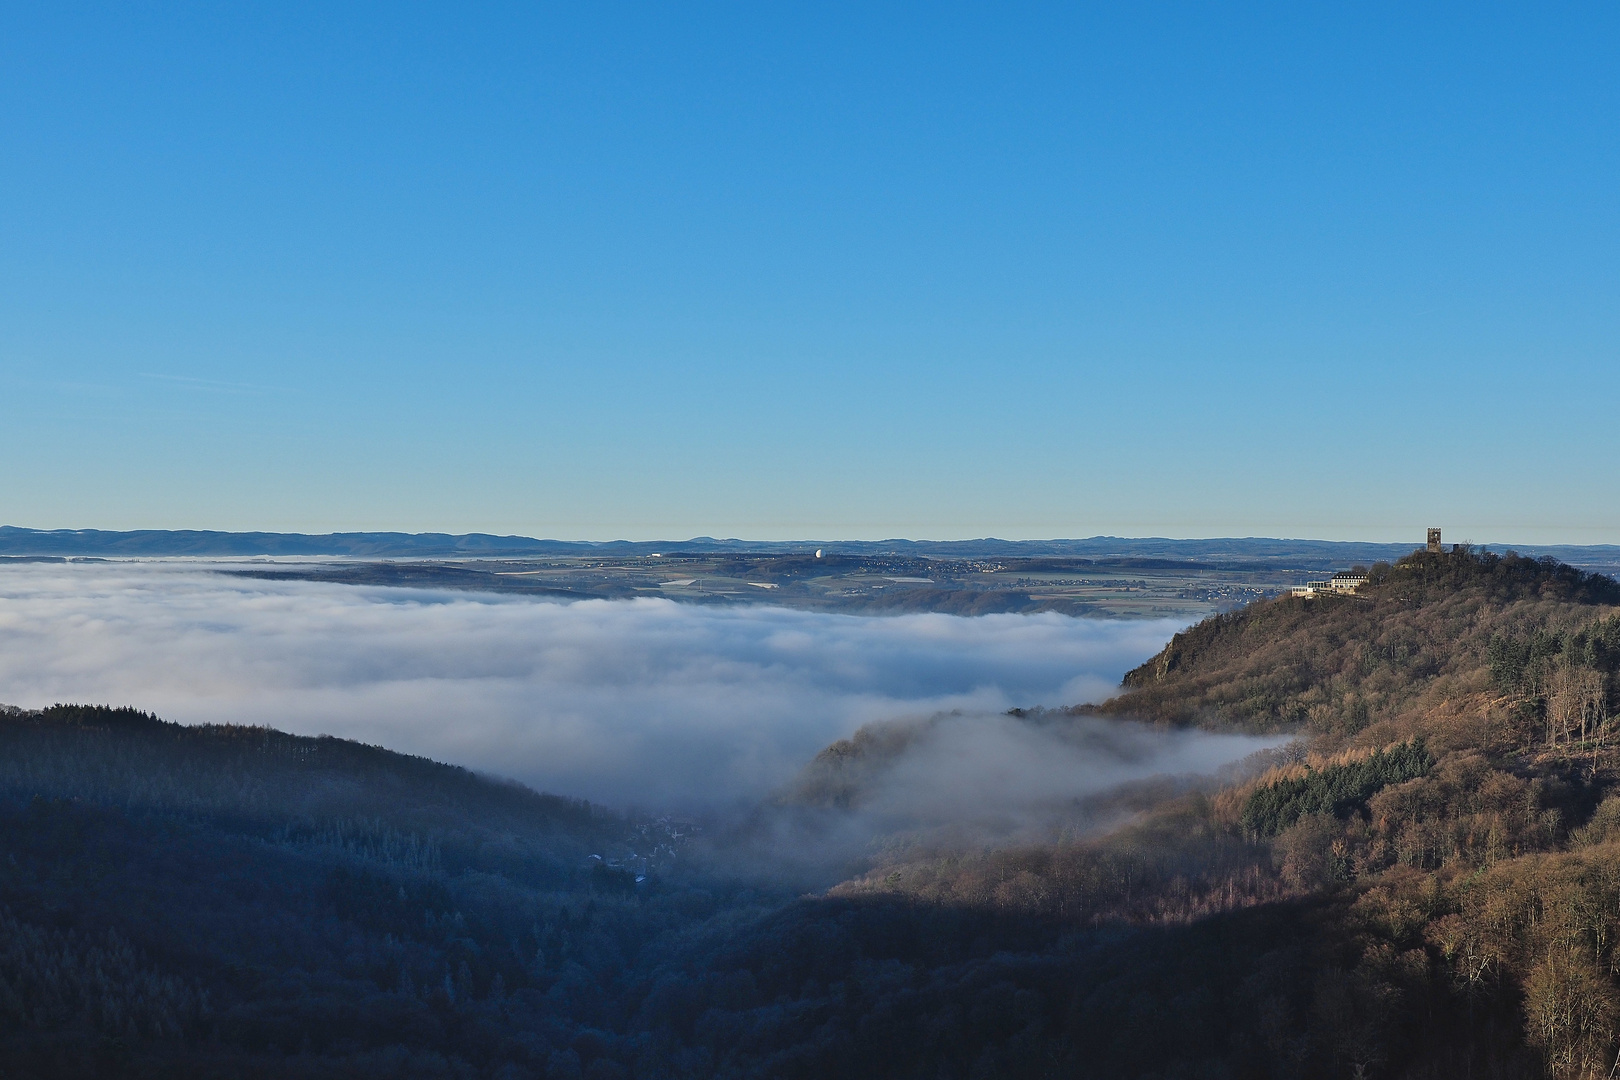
593	271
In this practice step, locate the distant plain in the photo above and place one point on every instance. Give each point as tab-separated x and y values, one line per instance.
864	584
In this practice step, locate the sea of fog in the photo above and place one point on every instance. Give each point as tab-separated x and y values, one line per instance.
644	702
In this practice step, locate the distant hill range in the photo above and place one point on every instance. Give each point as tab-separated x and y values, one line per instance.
15	542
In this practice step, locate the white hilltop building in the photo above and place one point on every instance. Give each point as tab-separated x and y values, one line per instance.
1342	582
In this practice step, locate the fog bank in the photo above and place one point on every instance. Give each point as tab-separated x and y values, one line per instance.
998	773
965	781
645	702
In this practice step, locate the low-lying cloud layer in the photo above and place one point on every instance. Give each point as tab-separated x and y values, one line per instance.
999	773
647	702
968	781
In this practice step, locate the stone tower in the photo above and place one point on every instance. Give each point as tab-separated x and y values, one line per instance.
1434	540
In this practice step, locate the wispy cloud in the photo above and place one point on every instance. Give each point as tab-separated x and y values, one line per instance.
645	701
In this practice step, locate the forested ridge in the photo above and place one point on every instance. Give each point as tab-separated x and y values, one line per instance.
1450	820
1425	884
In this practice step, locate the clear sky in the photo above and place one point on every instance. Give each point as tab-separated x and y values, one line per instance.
766	270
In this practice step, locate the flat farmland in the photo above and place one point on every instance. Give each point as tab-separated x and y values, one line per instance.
874	584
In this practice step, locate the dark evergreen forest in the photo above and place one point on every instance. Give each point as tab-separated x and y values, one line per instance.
1426	885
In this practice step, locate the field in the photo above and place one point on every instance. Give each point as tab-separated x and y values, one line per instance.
1121	587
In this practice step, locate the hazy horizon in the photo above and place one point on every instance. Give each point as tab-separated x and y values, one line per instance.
1451	535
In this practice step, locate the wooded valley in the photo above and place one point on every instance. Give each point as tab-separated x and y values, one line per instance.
1426	883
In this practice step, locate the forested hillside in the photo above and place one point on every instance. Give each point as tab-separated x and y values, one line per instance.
1426	884
1449	830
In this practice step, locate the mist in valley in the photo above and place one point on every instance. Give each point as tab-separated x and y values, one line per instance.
971	781
792	748
643	703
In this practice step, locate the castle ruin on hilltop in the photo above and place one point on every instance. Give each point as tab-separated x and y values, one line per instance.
1346	581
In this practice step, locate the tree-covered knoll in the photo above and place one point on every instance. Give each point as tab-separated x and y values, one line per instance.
298	790
237	901
1335	665
1450	816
